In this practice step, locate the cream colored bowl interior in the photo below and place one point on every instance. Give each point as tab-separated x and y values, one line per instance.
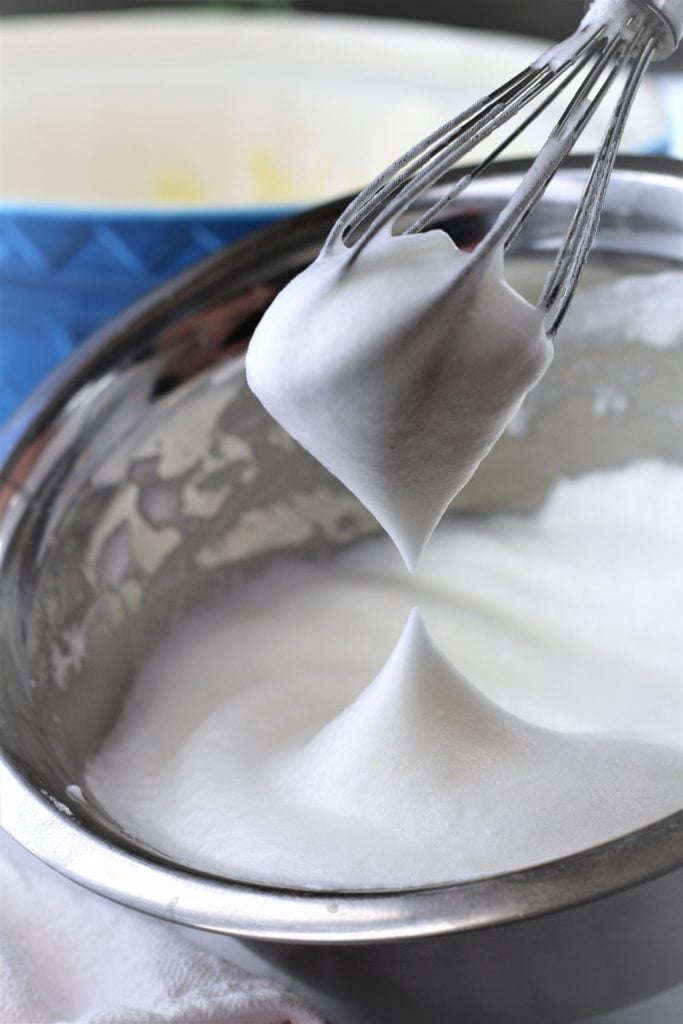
211	109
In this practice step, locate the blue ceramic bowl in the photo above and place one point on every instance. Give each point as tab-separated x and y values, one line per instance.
135	145
63	273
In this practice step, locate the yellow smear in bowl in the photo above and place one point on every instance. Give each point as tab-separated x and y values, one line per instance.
178	186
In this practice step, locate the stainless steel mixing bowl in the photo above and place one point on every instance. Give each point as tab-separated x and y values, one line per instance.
125	482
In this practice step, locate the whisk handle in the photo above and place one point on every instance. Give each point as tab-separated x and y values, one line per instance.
667	19
670	13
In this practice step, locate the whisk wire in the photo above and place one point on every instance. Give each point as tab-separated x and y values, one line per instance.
402	169
562	140
460	186
559	144
628	32
564	275
429	174
425	163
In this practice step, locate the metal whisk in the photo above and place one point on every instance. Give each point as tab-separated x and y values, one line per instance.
615	35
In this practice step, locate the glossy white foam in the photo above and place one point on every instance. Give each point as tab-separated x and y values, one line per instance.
397	375
269	737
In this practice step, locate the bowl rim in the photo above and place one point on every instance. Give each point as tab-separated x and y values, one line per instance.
186	896
155	885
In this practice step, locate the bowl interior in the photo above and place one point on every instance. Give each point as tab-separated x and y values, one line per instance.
150	481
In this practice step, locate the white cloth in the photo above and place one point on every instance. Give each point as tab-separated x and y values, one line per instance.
70	957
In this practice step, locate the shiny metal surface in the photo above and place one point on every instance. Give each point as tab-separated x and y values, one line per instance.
144	479
671	14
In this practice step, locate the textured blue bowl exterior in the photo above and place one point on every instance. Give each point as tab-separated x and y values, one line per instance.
64	273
